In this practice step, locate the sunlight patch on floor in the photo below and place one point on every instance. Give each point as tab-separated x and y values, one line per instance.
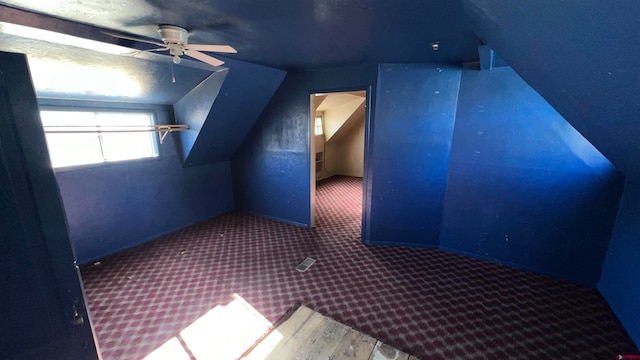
224	332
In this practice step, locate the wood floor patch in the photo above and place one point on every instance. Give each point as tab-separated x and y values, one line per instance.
310	335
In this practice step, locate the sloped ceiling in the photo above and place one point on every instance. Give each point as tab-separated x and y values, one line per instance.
333	100
288	33
77	73
222	110
356	118
581	57
277	35
338	113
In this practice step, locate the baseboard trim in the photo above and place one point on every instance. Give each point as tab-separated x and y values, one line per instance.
150	238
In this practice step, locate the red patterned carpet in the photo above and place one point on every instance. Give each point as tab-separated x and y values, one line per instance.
430	303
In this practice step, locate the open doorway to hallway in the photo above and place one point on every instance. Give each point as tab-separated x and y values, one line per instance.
338	121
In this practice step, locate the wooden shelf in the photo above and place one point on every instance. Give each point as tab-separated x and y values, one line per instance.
319	162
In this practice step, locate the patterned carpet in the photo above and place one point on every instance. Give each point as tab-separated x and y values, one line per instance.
429	303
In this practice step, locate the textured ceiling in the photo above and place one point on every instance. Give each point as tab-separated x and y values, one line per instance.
71	72
290	34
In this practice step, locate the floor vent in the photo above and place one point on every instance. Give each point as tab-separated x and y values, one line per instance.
305	264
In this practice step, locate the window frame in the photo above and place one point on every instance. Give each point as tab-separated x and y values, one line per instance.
151	111
315	131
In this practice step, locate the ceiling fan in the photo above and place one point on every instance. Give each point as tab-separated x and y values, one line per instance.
175	41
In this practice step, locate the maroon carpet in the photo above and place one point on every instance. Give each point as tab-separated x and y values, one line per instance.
430	303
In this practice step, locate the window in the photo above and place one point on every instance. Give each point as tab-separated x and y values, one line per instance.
319	125
86	137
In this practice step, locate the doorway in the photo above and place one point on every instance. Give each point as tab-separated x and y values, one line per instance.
337	137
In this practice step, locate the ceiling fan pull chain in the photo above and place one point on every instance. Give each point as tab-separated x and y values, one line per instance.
173	75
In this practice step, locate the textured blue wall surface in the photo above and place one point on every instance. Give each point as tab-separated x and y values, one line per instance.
619	281
514	182
244	94
526	188
414	121
582	58
271	170
115	206
39	281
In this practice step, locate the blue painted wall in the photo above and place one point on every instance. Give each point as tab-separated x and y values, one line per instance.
525	188
582	58
115	206
271	169
475	162
619	281
39	281
414	121
522	186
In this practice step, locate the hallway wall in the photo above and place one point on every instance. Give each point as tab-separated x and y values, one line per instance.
346	157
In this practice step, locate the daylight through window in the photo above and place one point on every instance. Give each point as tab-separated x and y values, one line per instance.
84	137
319	125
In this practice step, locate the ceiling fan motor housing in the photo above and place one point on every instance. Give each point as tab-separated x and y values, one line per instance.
171	34
175	39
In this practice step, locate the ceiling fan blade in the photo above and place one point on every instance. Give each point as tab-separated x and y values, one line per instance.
133	38
137	52
158	49
212	48
204	58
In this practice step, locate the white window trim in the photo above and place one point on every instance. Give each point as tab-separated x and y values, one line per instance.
162	130
321	126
